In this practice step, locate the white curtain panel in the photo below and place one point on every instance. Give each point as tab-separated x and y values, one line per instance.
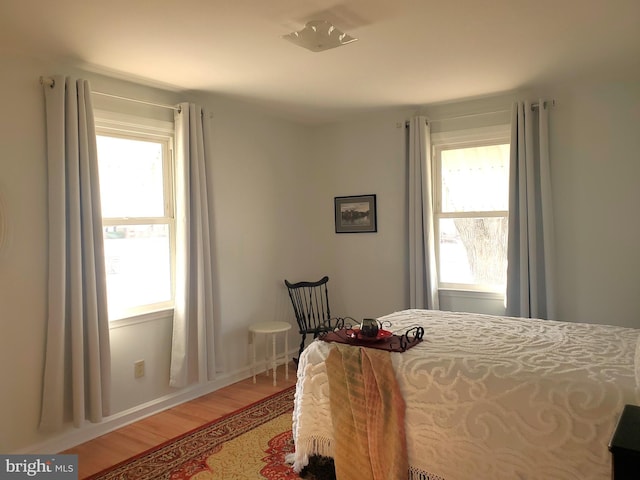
77	361
196	342
423	277
531	257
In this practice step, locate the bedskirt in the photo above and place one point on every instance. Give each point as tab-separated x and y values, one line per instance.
491	397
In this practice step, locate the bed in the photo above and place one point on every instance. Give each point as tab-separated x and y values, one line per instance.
491	397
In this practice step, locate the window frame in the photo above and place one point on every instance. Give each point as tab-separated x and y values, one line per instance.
145	129
442	141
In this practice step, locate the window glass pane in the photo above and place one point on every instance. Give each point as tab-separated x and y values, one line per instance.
475	179
473	251
138	265
131	177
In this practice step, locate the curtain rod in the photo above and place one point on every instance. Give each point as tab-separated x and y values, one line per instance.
454	117
545	104
534	106
51	82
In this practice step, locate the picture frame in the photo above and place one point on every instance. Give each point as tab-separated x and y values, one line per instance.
356	214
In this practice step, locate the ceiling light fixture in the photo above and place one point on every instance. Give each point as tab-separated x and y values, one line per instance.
319	35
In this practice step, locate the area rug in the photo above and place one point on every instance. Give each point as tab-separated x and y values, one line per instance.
248	444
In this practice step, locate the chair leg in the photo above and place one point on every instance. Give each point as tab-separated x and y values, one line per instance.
286	355
274	364
304	337
253	355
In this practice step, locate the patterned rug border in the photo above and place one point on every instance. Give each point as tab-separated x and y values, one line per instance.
278	403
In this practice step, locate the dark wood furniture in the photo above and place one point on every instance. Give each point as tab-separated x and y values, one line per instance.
625	445
310	302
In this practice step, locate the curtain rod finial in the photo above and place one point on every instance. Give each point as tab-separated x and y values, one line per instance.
47	81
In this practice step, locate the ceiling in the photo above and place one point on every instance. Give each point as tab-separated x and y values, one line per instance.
408	53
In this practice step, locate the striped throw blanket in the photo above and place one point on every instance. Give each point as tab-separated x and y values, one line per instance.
367	411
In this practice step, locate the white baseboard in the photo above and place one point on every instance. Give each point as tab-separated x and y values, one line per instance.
71	437
75	436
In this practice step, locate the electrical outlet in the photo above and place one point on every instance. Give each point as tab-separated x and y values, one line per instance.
138	369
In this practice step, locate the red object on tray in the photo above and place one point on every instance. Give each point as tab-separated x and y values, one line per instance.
355	334
384	340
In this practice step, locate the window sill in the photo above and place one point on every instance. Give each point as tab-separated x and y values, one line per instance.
142	318
483	295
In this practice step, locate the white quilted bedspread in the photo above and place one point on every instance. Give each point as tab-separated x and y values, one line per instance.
493	397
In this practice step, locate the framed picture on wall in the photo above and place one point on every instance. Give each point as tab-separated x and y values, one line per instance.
356	214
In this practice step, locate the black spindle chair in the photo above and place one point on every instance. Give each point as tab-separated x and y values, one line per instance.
310	302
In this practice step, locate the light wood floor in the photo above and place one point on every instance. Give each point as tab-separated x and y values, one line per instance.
147	433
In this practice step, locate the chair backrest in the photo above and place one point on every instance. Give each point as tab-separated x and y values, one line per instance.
310	302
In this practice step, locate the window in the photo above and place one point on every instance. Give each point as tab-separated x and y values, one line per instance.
471	209
136	185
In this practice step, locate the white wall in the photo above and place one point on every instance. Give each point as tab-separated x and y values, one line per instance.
365	155
274	184
596	169
23	252
260	239
259	165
